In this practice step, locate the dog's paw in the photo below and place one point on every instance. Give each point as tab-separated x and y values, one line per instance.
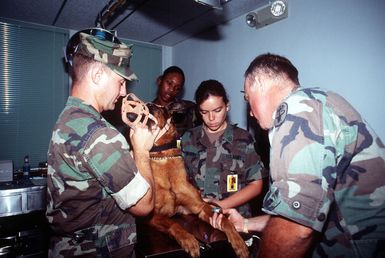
235	239
189	243
242	252
239	246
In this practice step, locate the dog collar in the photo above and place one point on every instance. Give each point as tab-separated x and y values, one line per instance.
167	146
165	157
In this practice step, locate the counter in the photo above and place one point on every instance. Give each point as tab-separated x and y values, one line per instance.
22	196
24	231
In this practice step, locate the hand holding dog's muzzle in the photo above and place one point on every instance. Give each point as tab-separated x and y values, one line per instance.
144	126
135	112
143	138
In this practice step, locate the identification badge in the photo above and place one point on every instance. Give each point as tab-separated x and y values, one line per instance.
178	142
232	183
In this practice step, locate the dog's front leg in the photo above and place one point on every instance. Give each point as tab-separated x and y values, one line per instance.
186	240
228	228
191	199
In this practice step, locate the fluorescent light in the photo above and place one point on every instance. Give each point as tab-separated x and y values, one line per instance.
212	3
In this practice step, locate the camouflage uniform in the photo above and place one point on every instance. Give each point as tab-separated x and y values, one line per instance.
209	165
89	161
92	178
328	173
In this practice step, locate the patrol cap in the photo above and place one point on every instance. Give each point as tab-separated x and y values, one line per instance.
103	46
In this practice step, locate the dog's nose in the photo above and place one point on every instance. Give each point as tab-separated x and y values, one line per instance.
131	117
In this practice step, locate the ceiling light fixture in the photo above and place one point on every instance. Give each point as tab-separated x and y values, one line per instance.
275	11
278	8
217	4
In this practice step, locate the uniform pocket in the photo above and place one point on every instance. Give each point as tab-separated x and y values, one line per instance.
120	238
193	160
369	248
231	162
271	199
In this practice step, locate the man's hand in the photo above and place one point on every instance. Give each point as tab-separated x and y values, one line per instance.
142	138
240	223
232	215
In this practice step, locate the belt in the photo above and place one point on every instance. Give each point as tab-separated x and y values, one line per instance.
87	234
90	234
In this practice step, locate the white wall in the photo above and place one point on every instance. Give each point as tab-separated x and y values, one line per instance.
335	44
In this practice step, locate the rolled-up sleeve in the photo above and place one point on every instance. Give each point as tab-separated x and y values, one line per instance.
131	193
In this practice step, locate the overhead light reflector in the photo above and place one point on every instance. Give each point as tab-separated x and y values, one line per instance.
213	3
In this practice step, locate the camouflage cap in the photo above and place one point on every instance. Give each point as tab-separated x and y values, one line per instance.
115	55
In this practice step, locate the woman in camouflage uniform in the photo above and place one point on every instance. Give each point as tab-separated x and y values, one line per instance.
220	158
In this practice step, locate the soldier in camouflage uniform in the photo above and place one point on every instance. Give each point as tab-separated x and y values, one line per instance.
170	85
327	197
94	184
220	158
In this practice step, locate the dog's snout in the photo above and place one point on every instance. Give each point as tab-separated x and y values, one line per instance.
131	117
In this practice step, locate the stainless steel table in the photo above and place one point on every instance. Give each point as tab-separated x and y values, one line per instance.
24	230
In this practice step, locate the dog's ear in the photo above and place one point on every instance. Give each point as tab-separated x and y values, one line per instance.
180	109
180	106
172	107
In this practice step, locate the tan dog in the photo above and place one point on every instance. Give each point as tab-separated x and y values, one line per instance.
173	193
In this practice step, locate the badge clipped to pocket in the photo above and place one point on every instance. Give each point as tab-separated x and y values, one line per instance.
232	183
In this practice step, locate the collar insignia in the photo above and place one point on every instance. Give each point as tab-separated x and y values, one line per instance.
280	115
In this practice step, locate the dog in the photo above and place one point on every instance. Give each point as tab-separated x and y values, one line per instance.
184	115
173	192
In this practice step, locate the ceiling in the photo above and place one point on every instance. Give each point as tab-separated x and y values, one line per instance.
165	22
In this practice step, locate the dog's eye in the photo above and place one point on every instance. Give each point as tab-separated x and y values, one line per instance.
178	117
